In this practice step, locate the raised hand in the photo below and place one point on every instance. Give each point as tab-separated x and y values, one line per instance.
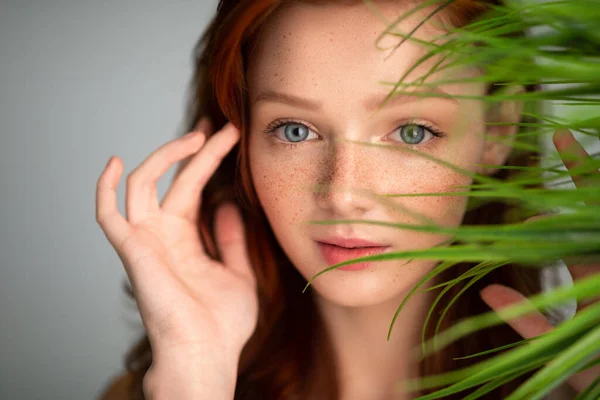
535	323
189	303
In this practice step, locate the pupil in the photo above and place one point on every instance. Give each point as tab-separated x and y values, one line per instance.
412	134
296	132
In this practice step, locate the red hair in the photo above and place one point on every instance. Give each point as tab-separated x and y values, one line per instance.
290	345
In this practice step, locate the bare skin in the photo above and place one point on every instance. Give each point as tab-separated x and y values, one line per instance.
534	324
307	51
195	331
169	270
198	313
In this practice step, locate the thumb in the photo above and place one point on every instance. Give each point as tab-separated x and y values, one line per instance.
231	240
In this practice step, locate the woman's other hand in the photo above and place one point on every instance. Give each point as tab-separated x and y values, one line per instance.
535	323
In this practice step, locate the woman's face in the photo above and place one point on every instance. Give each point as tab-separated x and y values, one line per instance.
314	87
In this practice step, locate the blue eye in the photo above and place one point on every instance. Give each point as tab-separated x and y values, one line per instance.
414	134
295	132
290	131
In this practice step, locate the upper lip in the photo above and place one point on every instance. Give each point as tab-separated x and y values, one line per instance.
350	242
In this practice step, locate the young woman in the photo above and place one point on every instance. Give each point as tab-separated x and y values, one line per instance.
282	93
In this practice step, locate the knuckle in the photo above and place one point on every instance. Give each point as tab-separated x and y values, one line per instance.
103	219
165	158
136	253
102	182
128	245
136	180
132	179
100	219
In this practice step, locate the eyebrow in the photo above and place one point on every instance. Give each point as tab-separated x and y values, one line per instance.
371	103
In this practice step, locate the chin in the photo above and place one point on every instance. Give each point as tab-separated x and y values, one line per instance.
379	283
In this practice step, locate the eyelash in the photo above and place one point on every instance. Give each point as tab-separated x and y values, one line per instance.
270	129
425	125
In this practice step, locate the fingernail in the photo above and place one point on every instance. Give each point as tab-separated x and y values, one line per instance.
563	137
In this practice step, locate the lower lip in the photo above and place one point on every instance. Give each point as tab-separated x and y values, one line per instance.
336	254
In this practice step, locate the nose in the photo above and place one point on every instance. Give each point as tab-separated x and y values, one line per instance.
347	180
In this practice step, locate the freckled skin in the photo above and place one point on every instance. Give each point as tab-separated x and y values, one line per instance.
308	51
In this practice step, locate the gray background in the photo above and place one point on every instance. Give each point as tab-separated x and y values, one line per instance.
80	80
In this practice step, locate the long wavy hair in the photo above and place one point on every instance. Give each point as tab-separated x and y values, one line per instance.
290	344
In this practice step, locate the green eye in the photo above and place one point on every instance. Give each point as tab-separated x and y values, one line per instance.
415	133
412	133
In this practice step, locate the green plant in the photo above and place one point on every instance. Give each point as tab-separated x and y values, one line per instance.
562	53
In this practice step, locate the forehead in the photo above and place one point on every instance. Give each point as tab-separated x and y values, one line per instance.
330	48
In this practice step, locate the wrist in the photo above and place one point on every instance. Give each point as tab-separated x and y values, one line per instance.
191	375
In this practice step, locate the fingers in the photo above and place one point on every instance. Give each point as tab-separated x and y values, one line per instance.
141	197
530	325
183	197
231	239
573	156
204	125
582	271
115	227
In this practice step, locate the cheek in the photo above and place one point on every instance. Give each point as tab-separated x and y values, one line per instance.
464	155
282	183
445	210
285	179
426	176
442	209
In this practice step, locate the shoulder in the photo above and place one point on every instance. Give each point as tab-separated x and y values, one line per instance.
118	388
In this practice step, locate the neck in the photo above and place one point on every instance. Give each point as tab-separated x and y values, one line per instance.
370	366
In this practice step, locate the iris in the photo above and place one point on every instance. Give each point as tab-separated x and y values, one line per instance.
412	133
296	132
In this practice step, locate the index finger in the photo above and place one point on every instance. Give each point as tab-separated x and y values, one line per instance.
581	166
183	197
203	125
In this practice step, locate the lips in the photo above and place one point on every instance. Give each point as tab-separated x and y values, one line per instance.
348	249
